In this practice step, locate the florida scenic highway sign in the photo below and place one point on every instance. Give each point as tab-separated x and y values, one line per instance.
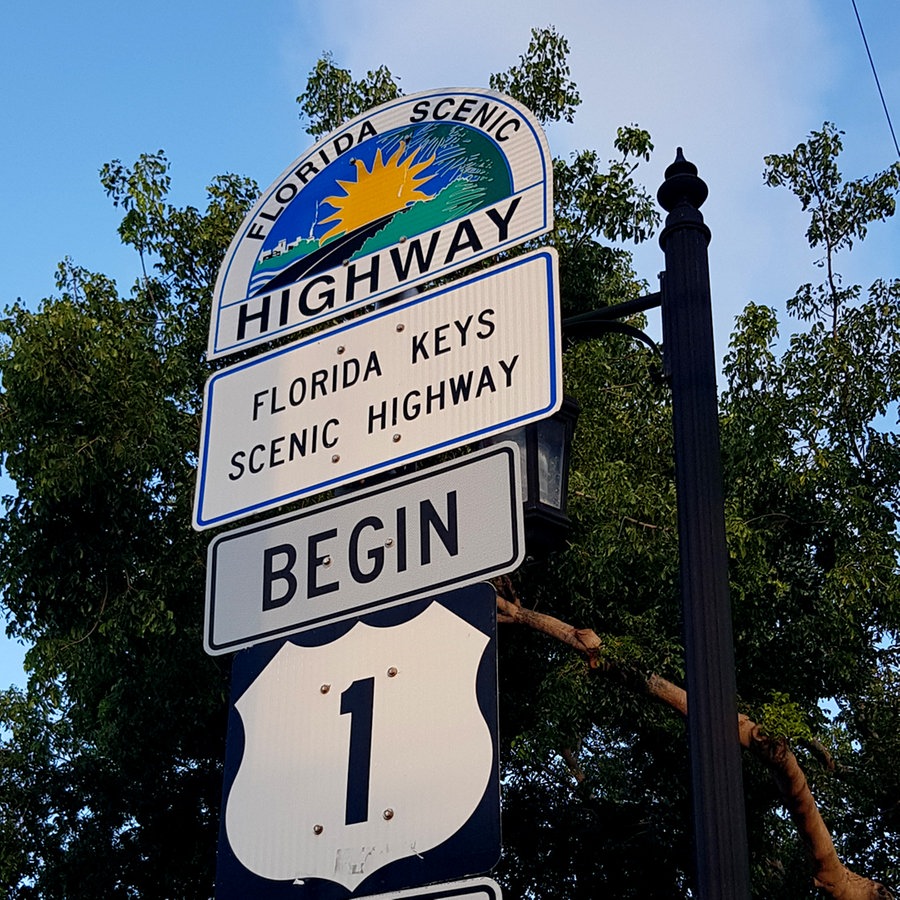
437	371
403	194
362	756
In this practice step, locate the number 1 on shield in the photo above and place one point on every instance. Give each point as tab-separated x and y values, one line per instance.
357	702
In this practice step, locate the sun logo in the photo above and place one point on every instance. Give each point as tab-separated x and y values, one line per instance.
389	187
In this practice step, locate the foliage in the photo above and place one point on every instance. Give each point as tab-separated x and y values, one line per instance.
111	759
813	469
98	426
332	97
540	82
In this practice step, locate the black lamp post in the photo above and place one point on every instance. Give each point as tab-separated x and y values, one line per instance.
720	840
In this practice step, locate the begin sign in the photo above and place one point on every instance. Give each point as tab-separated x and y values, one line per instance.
416	536
449	367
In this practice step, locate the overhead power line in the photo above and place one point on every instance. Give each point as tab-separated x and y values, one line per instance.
887	115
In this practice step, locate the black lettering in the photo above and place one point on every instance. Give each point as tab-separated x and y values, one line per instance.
466	230
342	143
269	216
508	369
256	232
314	562
414	249
434	394
502	222
411	408
275	452
401	540
353	279
258	467
440	339
460	387
464	107
258	402
483	115
418	346
244	317
285	574
484	318
318	381
326	296
515	123
375	554
328	442
367	130
447	101
462	328
447	532
420	111
373	365
486	381
306	171
295	398
379	416
237	465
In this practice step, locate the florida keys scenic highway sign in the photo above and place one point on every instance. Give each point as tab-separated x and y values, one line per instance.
440	370
402	194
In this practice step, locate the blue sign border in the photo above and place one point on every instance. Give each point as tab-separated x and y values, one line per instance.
552	344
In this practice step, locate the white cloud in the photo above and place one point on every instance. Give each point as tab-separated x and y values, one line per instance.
728	82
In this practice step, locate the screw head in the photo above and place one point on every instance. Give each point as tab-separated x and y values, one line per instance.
392	672
317	829
388	814
325	689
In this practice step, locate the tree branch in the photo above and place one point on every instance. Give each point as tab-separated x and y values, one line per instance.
829	873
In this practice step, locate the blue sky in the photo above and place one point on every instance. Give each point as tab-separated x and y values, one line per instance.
214	85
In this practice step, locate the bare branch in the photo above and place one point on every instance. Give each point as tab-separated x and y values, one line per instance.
829	873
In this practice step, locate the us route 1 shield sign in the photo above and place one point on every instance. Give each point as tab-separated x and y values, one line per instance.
362	756
403	194
443	369
418	535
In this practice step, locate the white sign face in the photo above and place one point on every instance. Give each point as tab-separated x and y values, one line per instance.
452	525
403	194
374	751
470	889
449	367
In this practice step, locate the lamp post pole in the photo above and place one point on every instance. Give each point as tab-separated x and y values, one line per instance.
720	840
722	870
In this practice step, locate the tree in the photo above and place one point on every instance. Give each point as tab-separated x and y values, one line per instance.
112	758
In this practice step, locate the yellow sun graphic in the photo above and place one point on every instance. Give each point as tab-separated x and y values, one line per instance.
389	186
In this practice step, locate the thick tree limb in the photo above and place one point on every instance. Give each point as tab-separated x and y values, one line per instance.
829	873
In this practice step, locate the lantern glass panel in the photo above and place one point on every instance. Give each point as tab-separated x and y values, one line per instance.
551	461
518	437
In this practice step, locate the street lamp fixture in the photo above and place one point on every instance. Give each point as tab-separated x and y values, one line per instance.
544	455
